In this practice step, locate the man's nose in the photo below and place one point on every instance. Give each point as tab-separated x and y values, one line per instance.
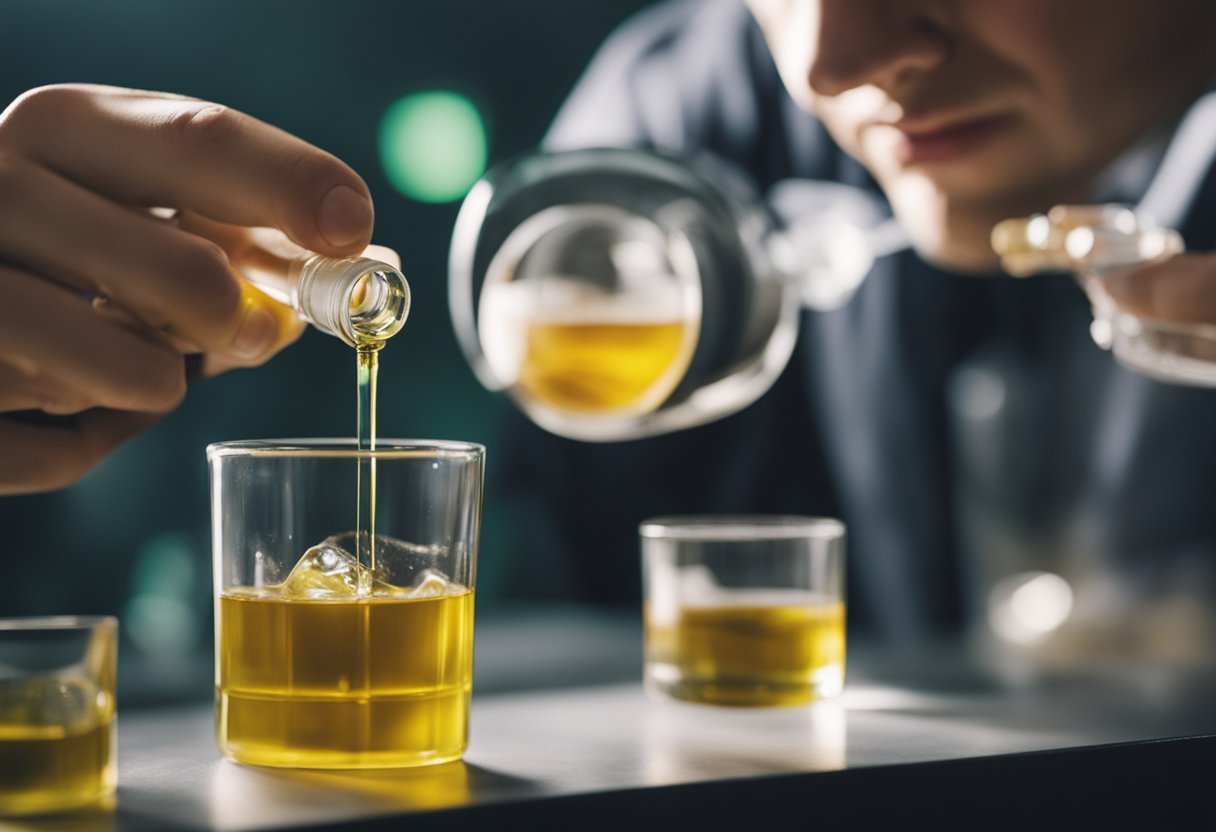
877	42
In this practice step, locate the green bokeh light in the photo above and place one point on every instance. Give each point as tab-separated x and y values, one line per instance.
433	145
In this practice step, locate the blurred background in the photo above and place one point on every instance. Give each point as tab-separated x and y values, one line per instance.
419	98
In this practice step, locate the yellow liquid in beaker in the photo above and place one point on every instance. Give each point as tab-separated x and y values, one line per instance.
748	654
362	682
51	767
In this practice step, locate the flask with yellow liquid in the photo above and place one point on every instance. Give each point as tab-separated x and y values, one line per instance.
617	294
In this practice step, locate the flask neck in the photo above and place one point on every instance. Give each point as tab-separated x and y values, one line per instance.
827	257
829	238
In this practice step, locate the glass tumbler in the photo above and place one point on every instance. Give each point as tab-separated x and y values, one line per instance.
745	611
337	648
57	731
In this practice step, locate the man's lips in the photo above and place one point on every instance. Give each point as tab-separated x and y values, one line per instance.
922	141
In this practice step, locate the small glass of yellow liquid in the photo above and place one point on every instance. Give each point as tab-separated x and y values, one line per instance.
57	733
744	611
351	650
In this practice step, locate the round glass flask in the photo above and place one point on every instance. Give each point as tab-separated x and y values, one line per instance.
618	294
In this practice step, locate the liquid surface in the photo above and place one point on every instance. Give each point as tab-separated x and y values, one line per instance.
603	367
747	654
347	683
54	767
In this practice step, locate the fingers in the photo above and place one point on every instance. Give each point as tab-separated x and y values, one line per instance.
20	390
100	303
167	278
1179	290
288	328
264	253
37	457
145	148
155	149
46	331
263	256
62	357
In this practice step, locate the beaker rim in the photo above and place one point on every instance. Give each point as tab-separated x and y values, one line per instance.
57	622
330	447
741	527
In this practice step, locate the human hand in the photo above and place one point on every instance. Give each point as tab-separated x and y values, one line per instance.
100	301
1178	295
1180	290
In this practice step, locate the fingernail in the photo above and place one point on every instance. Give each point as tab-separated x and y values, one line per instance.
345	216
256	333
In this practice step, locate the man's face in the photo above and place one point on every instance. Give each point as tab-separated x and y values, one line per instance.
971	111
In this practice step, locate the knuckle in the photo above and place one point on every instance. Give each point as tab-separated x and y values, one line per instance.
38	106
201	124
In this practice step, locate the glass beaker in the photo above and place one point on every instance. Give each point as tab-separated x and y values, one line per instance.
57	727
324	661
617	294
744	611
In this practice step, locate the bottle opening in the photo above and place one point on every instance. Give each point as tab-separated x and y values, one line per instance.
379	304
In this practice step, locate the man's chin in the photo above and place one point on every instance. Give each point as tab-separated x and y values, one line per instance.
950	231
958	235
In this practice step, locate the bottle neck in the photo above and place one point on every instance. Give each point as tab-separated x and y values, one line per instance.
356	299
